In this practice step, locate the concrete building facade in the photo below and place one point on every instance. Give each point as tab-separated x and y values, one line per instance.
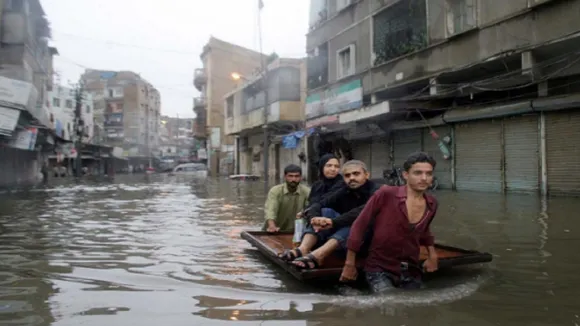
26	77
128	107
245	117
220	59
62	109
494	82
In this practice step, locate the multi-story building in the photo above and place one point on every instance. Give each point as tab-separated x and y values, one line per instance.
245	117
25	79
220	59
62	108
176	137
128	107
493	82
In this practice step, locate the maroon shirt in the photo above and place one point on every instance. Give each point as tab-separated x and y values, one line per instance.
394	239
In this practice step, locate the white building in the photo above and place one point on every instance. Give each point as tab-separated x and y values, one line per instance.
62	107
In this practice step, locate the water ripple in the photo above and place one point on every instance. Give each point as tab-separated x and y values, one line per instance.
163	251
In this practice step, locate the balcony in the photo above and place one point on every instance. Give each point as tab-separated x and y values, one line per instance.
286	111
199	125
199	103
199	78
230	126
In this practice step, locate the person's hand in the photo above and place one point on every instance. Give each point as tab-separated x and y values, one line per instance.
349	273
321	223
299	215
272	228
431	264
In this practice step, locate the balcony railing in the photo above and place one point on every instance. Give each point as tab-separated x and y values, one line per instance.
199	103
199	78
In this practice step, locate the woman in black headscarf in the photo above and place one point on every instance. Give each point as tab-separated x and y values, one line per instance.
330	181
329	167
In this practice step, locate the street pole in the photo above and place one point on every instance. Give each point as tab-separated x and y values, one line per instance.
266	87
79	128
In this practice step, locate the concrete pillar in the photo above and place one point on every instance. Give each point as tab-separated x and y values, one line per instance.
543	155
237	154
453	160
528	65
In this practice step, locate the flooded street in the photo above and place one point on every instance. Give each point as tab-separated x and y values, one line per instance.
168	252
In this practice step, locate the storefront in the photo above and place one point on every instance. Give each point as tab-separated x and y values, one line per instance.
563	152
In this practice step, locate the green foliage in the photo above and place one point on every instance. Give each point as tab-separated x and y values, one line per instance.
272	57
400	30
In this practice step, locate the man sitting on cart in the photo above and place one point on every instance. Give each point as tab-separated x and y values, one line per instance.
285	201
399	219
329	234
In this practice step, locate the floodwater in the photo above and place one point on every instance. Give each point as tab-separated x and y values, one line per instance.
167	251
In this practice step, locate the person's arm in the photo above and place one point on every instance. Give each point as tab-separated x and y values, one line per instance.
348	218
315	194
330	201
361	225
307	192
427	239
272	205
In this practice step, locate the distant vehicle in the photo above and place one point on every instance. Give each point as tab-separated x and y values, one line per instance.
244	177
190	169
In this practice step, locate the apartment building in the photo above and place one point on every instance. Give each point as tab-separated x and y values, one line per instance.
245	117
495	83
220	59
62	109
25	78
176	138
129	108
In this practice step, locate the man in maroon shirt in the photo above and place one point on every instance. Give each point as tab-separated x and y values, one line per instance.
399	218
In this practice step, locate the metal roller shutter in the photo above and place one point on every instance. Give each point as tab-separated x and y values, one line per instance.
379	157
478	155
521	146
563	152
405	143
430	145
361	150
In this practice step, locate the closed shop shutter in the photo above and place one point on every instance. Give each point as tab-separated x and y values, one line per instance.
430	145
521	139
379	157
406	142
478	155
563	152
361	150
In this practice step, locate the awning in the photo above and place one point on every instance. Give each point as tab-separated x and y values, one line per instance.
8	120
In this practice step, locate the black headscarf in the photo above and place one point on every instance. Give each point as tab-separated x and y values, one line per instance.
324	185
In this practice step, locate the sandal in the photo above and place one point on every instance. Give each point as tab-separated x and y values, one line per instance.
290	254
309	262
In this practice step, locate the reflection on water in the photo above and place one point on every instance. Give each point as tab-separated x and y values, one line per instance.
160	250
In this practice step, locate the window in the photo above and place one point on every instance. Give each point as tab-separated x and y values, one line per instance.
341	4
461	16
69	104
88	109
345	60
111	93
230	107
56	102
15	5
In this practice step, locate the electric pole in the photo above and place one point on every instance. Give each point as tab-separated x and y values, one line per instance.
79	128
266	87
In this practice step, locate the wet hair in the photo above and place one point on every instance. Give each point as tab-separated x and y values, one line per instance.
356	163
418	157
292	168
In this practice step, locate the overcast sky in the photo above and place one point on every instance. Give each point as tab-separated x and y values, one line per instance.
162	40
